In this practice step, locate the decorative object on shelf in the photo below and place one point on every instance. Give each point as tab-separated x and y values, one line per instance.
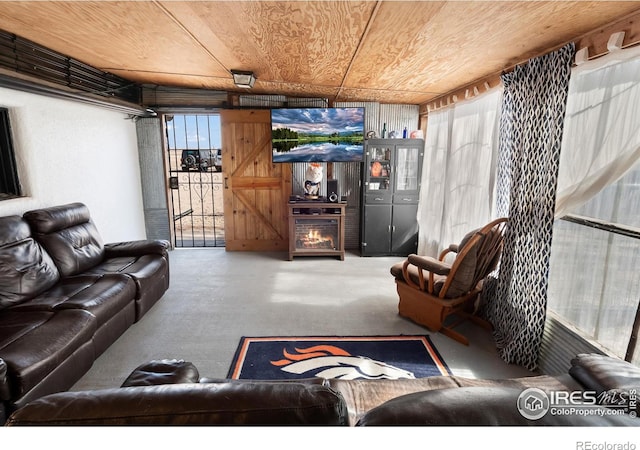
384	130
376	169
313	178
404	133
393	134
417	134
371	134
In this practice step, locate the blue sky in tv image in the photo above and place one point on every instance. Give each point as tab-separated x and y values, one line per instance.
317	134
194	131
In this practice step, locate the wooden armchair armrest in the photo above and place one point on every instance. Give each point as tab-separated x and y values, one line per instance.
429	264
424	264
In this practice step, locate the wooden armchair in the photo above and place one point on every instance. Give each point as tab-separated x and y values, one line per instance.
432	289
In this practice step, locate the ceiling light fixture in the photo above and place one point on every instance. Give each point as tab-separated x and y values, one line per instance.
243	78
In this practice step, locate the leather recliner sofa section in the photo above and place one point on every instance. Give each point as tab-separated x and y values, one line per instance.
170	392
65	297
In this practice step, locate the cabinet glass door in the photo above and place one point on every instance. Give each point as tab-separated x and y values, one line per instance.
379	169
407	168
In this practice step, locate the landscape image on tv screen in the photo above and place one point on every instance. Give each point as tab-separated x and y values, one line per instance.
317	134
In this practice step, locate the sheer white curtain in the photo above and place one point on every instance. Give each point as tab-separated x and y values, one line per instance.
601	138
459	171
432	189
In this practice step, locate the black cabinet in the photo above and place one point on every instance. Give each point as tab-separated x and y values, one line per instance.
391	188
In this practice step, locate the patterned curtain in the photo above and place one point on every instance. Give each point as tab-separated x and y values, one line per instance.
533	109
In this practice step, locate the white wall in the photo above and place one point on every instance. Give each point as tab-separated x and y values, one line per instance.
67	152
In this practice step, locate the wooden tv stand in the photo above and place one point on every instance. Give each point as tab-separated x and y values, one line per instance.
316	228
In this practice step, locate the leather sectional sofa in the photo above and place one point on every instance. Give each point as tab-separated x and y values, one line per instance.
65	297
171	392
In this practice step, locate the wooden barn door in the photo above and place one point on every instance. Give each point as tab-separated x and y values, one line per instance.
256	191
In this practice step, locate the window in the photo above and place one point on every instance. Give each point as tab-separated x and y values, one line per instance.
595	255
9	183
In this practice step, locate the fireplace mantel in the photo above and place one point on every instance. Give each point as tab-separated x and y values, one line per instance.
316	229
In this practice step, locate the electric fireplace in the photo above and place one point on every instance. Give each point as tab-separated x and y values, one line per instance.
316	229
317	234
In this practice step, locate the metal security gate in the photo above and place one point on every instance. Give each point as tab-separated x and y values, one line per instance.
195	179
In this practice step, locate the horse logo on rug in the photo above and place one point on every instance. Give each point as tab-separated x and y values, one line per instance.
329	361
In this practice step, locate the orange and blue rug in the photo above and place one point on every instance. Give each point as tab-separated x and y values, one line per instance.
352	357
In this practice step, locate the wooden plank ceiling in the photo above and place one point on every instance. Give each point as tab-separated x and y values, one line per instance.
386	51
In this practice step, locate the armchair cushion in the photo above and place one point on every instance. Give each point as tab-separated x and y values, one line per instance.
464	276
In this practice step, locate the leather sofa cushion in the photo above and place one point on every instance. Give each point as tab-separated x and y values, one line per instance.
32	343
104	296
150	273
26	269
602	373
147	270
476	406
68	235
189	404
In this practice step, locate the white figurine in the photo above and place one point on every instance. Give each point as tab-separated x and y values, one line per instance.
313	177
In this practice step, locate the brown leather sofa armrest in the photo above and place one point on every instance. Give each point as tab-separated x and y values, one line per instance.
163	371
603	373
137	248
429	264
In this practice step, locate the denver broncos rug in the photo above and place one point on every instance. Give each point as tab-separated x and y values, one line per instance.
354	357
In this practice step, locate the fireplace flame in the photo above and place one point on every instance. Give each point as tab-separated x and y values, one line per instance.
316	238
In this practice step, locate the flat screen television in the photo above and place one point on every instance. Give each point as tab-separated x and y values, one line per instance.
317	135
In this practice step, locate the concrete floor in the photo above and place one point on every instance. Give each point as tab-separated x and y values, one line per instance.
216	297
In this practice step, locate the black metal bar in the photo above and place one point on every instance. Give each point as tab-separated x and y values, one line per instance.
633	340
605	226
188	212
